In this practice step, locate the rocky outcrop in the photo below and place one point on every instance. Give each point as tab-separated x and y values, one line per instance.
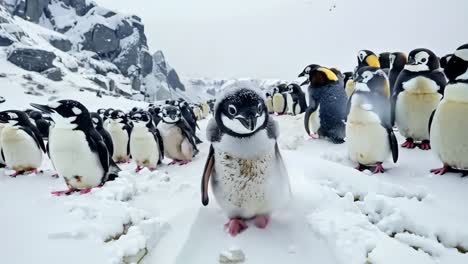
32	59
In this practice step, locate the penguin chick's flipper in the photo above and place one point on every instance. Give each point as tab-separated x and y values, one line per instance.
393	143
188	133
206	176
430	122
159	140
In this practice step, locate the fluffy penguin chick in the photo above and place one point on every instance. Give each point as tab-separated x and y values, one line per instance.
145	142
120	130
450	121
248	176
21	141
369	134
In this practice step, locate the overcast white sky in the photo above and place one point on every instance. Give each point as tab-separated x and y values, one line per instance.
276	38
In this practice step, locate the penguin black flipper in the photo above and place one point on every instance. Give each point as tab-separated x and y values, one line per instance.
3	155
439	78
207	171
430	121
383	111
313	105
107	140
393	144
285	97
159	141
128	128
33	132
188	133
96	143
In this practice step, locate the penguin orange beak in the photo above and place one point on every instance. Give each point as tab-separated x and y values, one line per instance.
42	108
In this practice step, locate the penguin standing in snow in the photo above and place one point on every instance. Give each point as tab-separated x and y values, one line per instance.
189	116
120	129
146	144
177	135
41	123
21	141
76	149
248	176
369	132
417	94
299	104
269	103
205	109
98	125
327	99
449	123
280	100
398	61
154	111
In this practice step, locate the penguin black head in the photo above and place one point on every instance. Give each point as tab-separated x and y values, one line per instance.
371	79
97	121
170	114
307	70
68	114
107	113
367	58
444	60
294	88
241	112
384	60
320	76
457	67
119	116
267	95
422	60
35	115
15	118
398	60
142	118
347	76
101	111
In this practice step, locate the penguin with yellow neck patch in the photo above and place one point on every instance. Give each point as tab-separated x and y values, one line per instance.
367	58
327	104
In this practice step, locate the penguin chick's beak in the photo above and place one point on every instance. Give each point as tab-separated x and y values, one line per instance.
248	122
42	108
412	61
302	74
305	82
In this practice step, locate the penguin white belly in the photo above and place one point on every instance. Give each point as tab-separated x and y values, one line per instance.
120	141
278	103
367	140
269	105
297	109
290	104
144	148
175	143
448	133
249	186
412	113
73	159
314	121
20	150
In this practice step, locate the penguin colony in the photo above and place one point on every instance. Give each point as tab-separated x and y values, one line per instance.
419	95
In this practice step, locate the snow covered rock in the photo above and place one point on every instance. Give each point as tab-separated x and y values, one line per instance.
32	59
62	44
30	10
54	74
102	40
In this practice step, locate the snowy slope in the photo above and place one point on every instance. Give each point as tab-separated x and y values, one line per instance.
338	215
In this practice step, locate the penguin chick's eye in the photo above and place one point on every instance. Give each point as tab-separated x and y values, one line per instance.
232	109
307	70
424	60
260	108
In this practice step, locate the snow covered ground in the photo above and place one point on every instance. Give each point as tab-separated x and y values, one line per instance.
338	215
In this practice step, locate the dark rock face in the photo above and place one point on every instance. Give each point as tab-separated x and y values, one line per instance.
147	63
32	59
79	5
54	74
61	44
124	30
5	41
101	40
31	10
174	81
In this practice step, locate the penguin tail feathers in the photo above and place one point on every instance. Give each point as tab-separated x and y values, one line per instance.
113	172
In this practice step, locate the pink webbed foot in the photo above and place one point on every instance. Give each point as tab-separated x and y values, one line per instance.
409	143
235	226
314	136
138	169
261	221
55	175
379	168
425	145
174	162
61	193
443	170
85	191
184	162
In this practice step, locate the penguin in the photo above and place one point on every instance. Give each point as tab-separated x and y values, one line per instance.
416	94
189	116
98	125
177	135
120	130
101	112
384	61
398	61
197	110
338	74
22	143
76	149
299	104
280	100
205	109
449	123
41	123
2	160
369	132
371	79
347	77
326	96
146	144
269	103
367	58
444	60
244	165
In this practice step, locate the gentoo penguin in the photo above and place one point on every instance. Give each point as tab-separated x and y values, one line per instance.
248	176
146	144
417	93
280	100
119	128
41	123
76	149
189	116
98	125
450	121
299	104
101	112
205	109
369	132
2	160
269	103
371	79
327	96
177	135
21	141
398	61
